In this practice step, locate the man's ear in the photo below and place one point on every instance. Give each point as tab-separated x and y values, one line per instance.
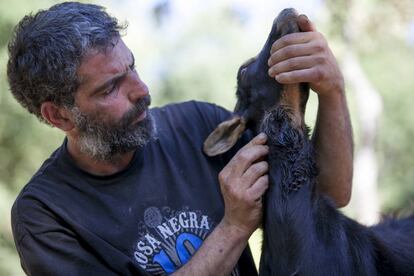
224	136
57	116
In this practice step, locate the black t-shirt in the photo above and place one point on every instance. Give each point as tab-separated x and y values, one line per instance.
150	217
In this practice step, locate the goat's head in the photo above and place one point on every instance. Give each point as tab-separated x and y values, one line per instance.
258	93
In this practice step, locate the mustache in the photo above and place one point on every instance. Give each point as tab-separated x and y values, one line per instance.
138	109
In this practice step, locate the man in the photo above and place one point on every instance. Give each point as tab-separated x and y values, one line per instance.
130	191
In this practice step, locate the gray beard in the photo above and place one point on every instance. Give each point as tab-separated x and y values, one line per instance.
106	142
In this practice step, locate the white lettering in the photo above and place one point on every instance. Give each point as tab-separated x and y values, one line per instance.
152	241
204	223
141	259
174	224
182	218
165	230
193	220
142	247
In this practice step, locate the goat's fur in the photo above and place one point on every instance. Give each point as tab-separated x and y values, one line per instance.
304	234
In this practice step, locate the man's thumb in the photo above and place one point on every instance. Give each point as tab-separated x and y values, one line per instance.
305	25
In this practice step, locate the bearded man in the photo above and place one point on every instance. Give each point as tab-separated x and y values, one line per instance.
129	192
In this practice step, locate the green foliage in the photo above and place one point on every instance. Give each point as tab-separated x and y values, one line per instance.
377	30
24	142
198	60
392	75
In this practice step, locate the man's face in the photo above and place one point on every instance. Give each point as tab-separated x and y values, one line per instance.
111	113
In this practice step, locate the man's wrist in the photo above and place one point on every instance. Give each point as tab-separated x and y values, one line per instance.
234	232
219	253
335	93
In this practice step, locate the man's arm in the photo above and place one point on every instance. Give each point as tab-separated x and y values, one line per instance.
306	57
332	138
243	182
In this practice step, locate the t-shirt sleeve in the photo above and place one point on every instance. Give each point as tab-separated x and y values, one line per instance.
46	246
57	253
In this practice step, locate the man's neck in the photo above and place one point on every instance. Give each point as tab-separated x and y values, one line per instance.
92	166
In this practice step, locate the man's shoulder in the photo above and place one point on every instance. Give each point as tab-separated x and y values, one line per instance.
31	194
192	106
26	209
49	165
195	113
31	191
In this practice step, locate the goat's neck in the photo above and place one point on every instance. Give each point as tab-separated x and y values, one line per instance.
291	99
287	211
291	155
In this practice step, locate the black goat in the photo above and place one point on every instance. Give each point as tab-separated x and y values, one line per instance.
304	234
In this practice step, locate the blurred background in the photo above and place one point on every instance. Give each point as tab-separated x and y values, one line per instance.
192	50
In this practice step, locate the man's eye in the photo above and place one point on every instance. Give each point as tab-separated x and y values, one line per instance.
109	89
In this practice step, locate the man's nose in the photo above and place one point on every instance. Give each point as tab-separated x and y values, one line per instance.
138	89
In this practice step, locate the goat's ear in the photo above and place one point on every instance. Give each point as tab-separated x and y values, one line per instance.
224	136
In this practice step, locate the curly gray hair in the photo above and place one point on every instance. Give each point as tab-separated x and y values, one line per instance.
47	48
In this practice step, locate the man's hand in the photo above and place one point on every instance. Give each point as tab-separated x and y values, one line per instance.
306	57
243	182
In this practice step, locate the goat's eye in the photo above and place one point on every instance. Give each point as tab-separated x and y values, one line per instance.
243	71
243	74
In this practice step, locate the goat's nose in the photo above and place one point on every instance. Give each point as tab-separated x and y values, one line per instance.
285	15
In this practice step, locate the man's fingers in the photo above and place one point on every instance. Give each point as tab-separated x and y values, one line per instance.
296	50
254	172
243	159
260	139
247	156
291	39
296	63
311	75
305	25
252	152
257	190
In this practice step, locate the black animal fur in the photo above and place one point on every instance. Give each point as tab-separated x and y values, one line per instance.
304	234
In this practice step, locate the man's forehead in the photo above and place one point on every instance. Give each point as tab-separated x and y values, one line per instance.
107	60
